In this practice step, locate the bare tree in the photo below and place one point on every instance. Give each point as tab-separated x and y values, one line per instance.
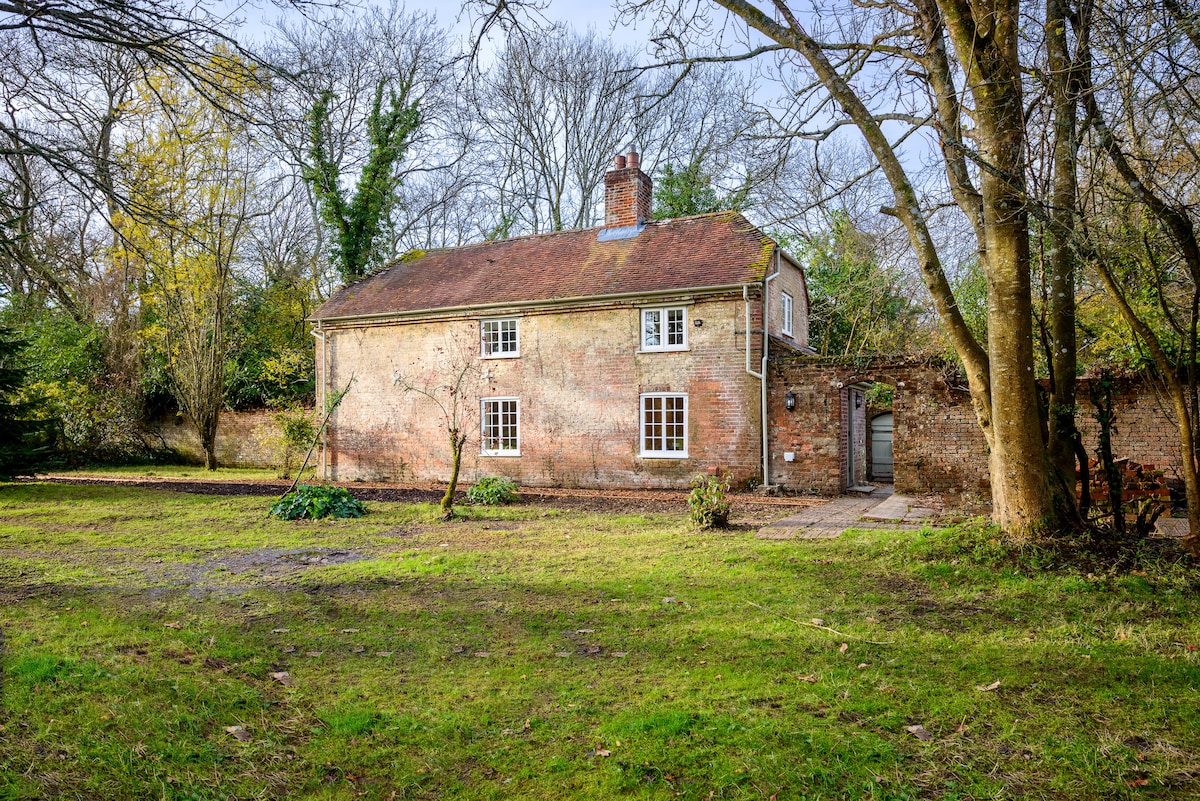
347	57
553	112
444	383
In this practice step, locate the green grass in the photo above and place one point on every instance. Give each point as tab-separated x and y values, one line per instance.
531	653
177	471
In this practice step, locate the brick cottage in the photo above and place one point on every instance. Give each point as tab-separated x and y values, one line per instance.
635	355
632	354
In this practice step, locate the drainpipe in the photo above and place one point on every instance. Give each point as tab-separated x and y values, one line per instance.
766	454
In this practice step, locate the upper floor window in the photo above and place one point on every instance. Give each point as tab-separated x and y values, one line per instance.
664	329
498	338
787	314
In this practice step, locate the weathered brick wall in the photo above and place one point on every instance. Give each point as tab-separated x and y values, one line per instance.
855	406
244	439
579	377
937	444
812	433
1146	424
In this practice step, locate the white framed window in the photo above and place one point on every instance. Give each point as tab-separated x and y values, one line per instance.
500	427
664	425
786	309
499	338
664	329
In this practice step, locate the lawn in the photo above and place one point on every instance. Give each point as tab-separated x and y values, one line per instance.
178	471
535	653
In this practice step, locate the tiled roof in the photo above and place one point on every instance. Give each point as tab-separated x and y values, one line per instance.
708	250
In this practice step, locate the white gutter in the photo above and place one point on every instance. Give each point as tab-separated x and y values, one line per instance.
532	304
766	455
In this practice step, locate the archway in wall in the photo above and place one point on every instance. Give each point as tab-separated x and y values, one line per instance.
881	452
880	431
868	425
855	462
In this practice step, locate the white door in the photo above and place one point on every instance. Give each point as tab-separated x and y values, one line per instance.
881	447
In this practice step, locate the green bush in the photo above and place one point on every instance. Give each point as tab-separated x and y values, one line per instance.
298	432
312	502
707	502
493	491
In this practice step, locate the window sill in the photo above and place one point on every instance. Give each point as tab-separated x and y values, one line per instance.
663	455
500	356
499	454
662	350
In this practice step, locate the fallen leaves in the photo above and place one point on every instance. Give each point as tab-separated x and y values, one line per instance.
810	679
174	624
843	648
284	678
920	732
239	733
995	685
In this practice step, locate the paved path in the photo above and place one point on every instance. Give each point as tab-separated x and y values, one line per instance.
878	510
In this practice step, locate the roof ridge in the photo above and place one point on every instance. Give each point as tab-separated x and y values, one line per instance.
563	232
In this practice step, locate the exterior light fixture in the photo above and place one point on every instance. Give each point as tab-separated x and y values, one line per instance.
789	401
698	323
857	400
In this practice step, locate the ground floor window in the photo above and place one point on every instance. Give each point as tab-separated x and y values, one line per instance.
664	425
500	431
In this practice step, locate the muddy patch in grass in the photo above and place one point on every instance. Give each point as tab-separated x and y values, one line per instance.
233	573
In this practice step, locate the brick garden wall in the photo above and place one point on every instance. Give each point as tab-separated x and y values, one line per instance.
817	432
1146	429
244	439
578	378
937	444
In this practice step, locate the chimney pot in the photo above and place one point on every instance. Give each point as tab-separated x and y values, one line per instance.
628	193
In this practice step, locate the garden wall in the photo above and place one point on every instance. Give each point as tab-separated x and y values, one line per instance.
937	444
244	439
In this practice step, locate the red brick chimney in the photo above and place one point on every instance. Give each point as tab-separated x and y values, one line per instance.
627	193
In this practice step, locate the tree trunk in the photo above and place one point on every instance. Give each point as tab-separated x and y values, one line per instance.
208	442
1060	257
456	446
1179	400
1023	501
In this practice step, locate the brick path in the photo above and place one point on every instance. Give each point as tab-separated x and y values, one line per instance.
878	510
